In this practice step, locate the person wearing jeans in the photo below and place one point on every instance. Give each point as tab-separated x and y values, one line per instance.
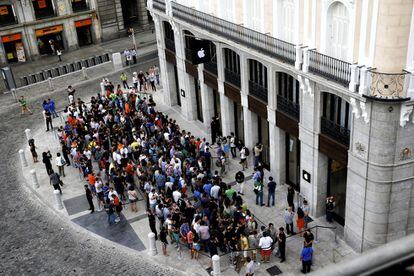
271	188
258	186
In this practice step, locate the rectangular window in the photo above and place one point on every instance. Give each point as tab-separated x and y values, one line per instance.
80	5
7	16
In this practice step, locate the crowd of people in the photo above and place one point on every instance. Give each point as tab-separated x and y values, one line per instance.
123	146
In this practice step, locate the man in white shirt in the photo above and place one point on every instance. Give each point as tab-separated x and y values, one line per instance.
214	192
176	195
265	243
152	198
60	163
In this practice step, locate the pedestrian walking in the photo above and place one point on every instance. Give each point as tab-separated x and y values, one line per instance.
281	238
271	189
240	180
288	217
46	156
290	197
152	222
55	181
33	150
60	163
110	211
65	152
300	220
59	54
152	81
257	153
128	57
71	94
330	207
135	81
52	108
214	126
306	258
124	79
233	145
250	267
89	197
164	241
23	106
244	153
306	211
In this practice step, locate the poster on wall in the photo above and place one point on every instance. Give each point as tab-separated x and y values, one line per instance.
21	57
4	10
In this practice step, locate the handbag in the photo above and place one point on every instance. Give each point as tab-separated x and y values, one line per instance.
255	191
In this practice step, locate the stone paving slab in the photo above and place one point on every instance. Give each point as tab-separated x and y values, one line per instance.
76	204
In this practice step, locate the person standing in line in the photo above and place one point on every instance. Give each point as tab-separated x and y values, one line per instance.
244	153
89	197
288	217
65	153
258	187
214	129
271	188
124	79
306	258
33	150
23	106
281	238
240	180
257	154
52	108
55	181
152	223
59	54
109	208
46	156
300	221
60	163
134	55
250	267
330	207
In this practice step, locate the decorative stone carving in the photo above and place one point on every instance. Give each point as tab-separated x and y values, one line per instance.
309	87
405	154
355	109
168	8
360	149
405	114
364	112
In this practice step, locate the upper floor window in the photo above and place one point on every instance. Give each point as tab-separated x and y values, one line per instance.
80	5
43	8
254	14
258	79
232	67
227	10
7	16
337	42
287	94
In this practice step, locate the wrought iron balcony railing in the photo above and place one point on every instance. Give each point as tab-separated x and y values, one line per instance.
232	77
158	5
211	67
263	43
288	107
335	131
170	44
258	91
329	67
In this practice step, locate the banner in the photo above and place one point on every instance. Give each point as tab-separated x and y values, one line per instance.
4	10
21	57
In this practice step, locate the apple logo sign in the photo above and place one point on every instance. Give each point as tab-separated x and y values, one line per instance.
201	53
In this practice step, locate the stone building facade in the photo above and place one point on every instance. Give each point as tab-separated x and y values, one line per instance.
32	28
325	85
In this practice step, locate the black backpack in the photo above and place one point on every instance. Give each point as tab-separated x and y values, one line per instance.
246	151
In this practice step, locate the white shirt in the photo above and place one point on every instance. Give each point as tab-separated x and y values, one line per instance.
242	154
215	191
152	198
265	242
60	161
176	195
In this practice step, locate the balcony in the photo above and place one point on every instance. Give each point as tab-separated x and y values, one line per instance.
159	5
288	107
258	91
170	44
232	77
211	67
335	131
263	43
331	68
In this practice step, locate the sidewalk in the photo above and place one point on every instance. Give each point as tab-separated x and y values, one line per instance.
133	230
117	45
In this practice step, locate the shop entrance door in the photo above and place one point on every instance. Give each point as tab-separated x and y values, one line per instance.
263	129
43	43
293	161
199	102
84	35
217	110
337	175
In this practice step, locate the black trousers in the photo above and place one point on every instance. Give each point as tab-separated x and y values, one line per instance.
91	207
49	122
289	228
233	151
306	266
282	252
153	229
57	187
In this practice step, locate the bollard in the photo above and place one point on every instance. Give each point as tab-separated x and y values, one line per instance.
23	160
13	91
49	81
58	200
103	89
152	250
85	76
28	134
216	265
35	181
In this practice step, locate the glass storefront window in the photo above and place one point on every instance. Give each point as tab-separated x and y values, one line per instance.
7	16
337	175
293	161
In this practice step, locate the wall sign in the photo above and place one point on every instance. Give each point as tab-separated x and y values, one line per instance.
49	30
182	93
306	176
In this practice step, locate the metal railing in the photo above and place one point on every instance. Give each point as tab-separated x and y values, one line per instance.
159	5
63	69
258	91
232	77
263	43
387	85
170	44
335	131
287	106
329	67
211	67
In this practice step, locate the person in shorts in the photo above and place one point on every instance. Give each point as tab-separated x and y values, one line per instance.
265	243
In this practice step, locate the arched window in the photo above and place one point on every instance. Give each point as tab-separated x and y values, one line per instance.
257	79
169	36
337	42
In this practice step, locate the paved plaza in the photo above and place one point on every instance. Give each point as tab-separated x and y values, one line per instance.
133	229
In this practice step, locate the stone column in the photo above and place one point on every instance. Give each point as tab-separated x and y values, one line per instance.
207	98
119	16
63	7
142	14
251	134
226	110
70	34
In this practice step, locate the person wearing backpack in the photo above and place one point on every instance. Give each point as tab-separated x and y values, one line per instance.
109	208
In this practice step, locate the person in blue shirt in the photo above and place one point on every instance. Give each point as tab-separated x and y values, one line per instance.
207	188
306	258
52	108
